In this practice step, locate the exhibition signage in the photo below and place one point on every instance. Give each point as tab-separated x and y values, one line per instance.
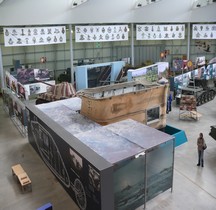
102	33
27	36
160	32
204	31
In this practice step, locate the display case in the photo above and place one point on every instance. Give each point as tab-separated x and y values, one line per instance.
96	164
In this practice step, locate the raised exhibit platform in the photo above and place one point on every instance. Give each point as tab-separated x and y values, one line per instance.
95	164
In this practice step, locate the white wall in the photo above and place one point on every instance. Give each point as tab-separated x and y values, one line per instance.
36	12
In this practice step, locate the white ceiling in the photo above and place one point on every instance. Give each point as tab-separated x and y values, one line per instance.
31	12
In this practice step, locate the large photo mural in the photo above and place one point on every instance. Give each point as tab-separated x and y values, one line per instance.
78	177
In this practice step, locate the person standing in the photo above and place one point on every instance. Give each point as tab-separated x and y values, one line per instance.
169	103
200	145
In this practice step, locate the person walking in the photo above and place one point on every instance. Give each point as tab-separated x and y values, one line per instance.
200	148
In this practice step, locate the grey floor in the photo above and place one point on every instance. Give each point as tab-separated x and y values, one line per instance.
194	188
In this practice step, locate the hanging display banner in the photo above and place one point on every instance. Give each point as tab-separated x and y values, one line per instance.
160	32
204	31
34	36
104	33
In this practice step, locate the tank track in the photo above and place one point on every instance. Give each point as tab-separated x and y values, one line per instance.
205	97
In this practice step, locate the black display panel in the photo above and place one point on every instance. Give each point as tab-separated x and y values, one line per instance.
78	176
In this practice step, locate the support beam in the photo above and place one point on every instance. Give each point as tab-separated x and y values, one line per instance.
1	70
132	44
188	41
71	53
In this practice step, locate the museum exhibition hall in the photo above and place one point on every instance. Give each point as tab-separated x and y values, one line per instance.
108	105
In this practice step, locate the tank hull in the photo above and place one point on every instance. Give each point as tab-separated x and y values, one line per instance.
204	90
213	132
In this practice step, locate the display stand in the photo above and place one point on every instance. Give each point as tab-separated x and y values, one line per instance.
25	83
97	74
22	129
188	108
16	110
148	73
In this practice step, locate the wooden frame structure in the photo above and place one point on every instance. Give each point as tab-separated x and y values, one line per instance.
113	103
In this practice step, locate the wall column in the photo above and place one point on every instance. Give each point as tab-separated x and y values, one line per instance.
71	53
1	70
188	41
132	44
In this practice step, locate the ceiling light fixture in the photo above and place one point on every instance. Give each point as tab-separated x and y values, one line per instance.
143	3
202	3
76	3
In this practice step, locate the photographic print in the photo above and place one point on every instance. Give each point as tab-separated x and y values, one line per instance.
41	74
21	91
13	83
76	162
25	76
94	178
34	88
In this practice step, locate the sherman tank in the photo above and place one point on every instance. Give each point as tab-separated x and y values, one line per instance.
204	90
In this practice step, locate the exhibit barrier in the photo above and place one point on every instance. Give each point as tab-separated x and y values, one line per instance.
16	110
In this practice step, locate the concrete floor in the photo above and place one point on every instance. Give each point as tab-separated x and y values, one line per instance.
193	187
